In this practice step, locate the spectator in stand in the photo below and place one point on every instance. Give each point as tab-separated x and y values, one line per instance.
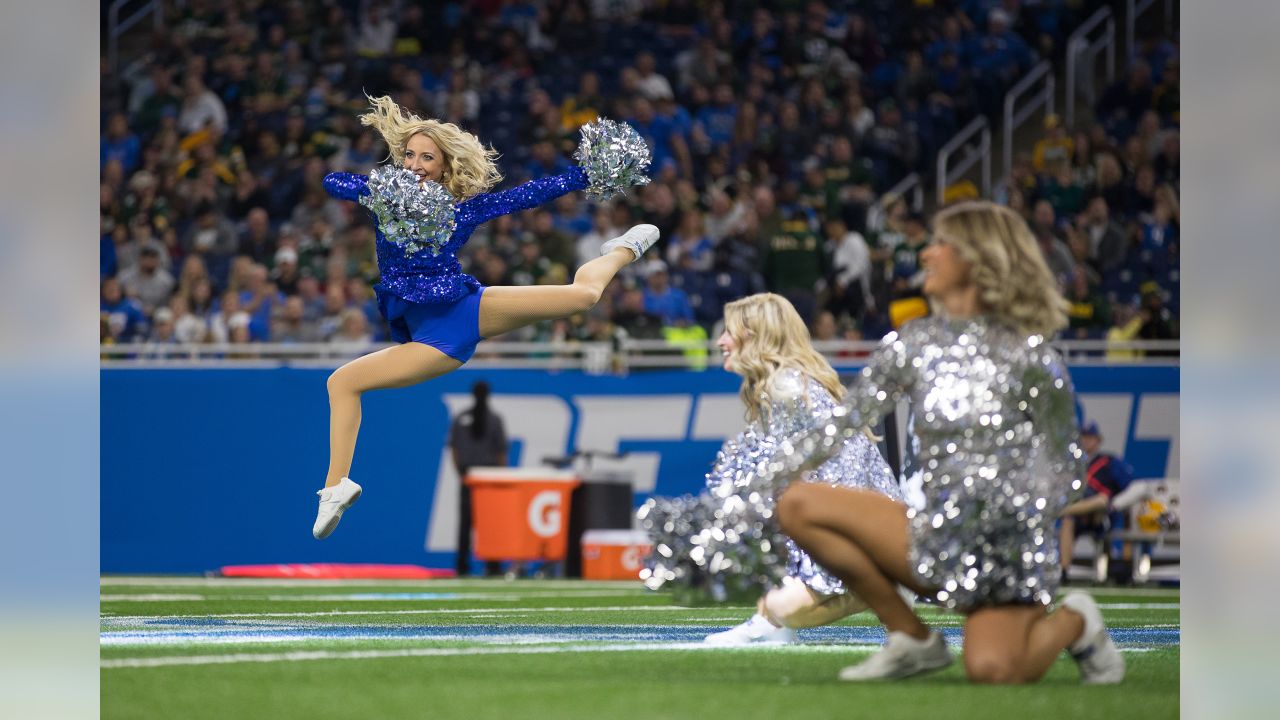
1088	314
851	265
1157	321
353	332
602	229
259	299
892	144
668	303
125	319
1123	104
586	105
718	117
292	325
653	85
284	275
377	31
634	320
690	248
201	109
796	262
1056	253
258	240
998	57
1110	183
120	143
1160	228
188	328
1108	245
162	328
908	274
725	215
1060	188
553	245
1055	145
1126	324
1107	475
148	282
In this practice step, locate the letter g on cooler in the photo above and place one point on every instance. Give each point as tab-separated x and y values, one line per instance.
545	513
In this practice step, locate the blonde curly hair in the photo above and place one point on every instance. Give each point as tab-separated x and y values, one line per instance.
470	167
1014	282
771	336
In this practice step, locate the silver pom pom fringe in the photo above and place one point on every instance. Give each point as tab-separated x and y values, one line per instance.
614	156
414	215
723	545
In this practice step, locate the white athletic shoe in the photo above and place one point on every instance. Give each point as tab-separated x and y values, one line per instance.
638	239
757	630
1095	652
902	656
333	502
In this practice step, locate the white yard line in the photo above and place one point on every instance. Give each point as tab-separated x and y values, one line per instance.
304	655
423	611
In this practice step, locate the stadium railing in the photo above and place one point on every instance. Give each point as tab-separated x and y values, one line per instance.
946	173
1080	48
590	357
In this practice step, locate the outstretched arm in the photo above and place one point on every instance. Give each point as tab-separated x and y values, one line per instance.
487	206
876	392
346	186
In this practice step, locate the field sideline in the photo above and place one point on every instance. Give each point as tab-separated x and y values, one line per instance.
189	647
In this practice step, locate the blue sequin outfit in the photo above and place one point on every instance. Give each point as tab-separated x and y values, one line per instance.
797	403
426	278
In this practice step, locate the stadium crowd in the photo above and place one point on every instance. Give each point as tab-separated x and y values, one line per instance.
776	130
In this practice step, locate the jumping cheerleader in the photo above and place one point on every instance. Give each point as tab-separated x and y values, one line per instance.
426	205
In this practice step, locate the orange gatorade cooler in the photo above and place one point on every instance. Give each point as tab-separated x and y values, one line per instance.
613	554
520	513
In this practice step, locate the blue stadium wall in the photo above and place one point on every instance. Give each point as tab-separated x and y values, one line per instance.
203	468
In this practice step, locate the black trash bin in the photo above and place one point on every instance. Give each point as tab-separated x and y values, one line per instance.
602	502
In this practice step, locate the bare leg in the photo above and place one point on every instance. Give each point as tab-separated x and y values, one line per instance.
1066	543
861	536
503	309
400	366
1016	643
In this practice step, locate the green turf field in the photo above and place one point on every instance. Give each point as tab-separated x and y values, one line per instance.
218	648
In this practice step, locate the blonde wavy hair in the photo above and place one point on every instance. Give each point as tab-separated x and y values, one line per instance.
1014	282
469	167
771	336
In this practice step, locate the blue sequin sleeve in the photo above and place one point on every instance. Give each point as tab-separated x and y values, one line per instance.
346	186
487	206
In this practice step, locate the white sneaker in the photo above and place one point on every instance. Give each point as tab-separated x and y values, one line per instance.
901	657
333	501
638	239
757	630
1095	652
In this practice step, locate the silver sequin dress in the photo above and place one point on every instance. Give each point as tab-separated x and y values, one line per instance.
995	423
725	544
796	403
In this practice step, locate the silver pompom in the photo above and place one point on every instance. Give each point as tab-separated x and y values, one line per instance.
415	215
614	157
723	545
